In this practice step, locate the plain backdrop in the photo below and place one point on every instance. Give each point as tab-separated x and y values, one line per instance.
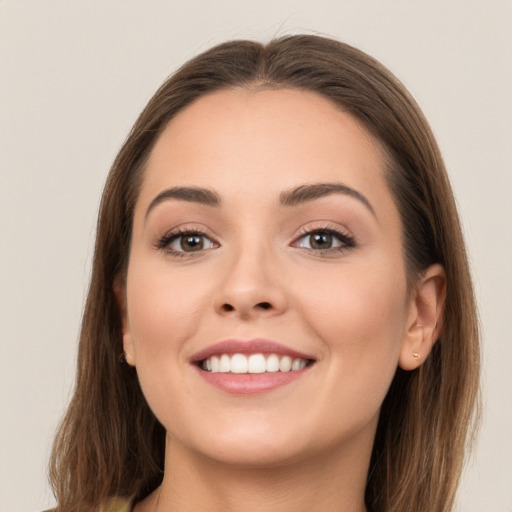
73	77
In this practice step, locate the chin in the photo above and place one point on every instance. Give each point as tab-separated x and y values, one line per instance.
266	444
242	444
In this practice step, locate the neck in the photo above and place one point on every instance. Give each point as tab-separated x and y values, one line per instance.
334	481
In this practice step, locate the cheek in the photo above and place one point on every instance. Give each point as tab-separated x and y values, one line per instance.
352	301
359	317
162	310
163	313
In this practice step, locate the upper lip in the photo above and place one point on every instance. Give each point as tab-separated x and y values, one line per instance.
253	346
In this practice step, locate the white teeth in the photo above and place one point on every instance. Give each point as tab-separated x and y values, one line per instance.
285	365
272	363
255	363
225	363
296	364
239	363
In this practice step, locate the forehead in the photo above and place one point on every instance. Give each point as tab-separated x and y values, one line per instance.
253	141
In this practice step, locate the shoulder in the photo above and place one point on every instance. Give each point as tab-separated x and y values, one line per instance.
117	505
114	505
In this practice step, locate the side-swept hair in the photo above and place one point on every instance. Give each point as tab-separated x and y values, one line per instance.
110	443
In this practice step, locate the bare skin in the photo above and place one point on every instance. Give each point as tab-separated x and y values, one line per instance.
319	273
287	488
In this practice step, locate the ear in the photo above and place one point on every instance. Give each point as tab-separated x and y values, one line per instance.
120	293
425	318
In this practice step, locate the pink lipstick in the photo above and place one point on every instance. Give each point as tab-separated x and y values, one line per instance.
254	366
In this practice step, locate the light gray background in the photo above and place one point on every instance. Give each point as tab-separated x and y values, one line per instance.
73	77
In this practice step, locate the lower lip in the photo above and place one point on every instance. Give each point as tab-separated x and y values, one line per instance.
247	384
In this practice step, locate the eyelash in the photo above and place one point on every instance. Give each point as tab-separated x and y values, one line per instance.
347	241
164	243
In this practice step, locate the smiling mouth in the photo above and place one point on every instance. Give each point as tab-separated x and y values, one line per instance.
251	367
257	363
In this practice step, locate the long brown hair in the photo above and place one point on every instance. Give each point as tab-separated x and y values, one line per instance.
110	443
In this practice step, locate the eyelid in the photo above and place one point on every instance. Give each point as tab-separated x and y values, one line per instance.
344	236
163	242
346	239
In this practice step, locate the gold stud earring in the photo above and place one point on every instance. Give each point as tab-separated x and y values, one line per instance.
416	356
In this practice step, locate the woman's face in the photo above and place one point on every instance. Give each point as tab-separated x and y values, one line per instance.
265	233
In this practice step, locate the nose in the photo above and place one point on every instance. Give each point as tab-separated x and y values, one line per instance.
251	286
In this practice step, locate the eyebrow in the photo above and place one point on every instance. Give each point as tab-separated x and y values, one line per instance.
293	197
191	194
306	193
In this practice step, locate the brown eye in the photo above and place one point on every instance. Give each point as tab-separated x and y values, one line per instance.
190	243
320	241
325	240
183	243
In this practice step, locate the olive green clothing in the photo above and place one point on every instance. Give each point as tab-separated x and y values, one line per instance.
118	505
114	505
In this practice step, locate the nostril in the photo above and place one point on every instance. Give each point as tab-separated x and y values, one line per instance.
260	305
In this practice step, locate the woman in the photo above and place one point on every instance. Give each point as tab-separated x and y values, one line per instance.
279	263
